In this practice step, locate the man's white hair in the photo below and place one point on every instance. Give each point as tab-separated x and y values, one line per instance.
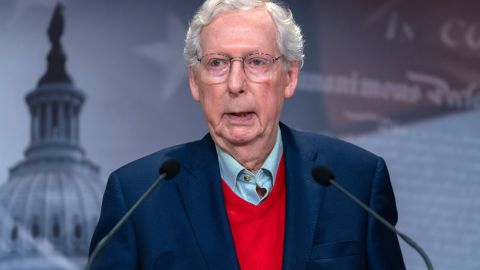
289	35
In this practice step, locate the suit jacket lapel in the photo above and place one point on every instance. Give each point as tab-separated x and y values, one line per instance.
202	196
303	200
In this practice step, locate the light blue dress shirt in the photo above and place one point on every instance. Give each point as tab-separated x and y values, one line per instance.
242	181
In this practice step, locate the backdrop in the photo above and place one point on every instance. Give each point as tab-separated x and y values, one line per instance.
399	78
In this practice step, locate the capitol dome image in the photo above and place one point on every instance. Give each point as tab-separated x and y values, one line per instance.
50	203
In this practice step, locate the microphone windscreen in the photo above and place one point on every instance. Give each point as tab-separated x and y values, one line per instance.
322	174
171	167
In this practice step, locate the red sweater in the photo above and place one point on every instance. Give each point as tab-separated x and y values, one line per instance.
258	230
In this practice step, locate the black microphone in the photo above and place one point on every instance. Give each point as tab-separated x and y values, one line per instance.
168	170
325	177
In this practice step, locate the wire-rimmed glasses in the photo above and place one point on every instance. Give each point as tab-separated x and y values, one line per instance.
257	66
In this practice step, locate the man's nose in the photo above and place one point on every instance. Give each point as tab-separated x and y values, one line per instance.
236	78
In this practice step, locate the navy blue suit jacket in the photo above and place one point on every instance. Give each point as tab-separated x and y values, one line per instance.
183	224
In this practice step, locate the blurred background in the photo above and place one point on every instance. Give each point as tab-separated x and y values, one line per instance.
399	78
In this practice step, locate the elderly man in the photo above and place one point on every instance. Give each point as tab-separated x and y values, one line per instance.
244	197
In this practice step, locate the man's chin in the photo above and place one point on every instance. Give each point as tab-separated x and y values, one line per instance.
239	140
239	137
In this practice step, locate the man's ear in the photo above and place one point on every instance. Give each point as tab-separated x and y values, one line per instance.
292	79
192	81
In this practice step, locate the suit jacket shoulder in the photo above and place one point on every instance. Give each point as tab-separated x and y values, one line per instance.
149	165
333	151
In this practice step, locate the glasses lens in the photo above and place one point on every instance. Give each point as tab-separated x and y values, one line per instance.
217	65
258	65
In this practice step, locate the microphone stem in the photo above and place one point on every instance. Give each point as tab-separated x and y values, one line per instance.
107	238
405	238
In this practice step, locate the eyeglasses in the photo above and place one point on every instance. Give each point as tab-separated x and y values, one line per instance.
257	66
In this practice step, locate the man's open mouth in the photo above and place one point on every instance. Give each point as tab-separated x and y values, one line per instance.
241	114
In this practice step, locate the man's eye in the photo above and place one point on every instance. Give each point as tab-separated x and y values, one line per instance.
217	63
257	61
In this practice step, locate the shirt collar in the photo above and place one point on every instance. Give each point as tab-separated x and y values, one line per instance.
230	168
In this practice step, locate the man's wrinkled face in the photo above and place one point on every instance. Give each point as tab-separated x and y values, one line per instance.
240	111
